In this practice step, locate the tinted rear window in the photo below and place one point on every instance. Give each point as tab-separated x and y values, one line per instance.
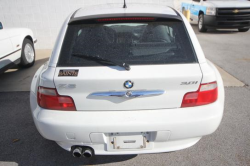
142	43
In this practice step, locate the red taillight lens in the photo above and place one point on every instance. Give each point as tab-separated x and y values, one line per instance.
126	19
207	93
48	98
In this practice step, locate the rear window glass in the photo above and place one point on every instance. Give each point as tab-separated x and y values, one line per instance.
142	43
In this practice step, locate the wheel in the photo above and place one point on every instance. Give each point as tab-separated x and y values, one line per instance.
28	54
201	25
243	29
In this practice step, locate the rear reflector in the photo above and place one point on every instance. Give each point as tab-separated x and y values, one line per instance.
207	93
126	19
48	98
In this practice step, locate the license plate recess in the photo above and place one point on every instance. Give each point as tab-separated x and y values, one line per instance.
129	140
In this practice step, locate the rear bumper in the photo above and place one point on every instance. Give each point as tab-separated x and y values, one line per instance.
183	127
225	23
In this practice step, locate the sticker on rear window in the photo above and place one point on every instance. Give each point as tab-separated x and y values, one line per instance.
69	73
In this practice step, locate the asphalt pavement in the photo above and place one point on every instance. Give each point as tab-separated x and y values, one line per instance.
229	49
19	78
21	144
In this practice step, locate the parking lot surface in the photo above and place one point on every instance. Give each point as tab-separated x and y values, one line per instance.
229	50
18	78
22	145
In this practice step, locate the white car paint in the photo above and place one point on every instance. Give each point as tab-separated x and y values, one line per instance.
11	41
143	76
5	43
171	128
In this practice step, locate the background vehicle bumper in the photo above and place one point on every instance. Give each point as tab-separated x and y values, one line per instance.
225	23
170	129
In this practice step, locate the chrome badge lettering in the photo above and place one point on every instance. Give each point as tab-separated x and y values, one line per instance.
189	83
66	86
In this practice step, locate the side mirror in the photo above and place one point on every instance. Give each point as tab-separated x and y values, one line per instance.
1	26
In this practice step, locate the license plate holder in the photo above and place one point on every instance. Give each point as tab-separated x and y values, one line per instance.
129	142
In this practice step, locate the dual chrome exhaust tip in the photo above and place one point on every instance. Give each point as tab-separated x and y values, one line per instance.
86	152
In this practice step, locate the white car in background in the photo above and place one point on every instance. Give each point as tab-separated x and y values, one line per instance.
126	81
16	47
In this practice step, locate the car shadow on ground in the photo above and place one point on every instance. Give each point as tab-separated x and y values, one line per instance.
21	143
19	78
214	31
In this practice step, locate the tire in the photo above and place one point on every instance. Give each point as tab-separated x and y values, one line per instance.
28	54
201	26
243	29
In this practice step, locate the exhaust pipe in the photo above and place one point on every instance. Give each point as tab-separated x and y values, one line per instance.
77	152
87	153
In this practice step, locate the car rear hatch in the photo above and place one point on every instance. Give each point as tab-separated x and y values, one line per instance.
163	65
174	80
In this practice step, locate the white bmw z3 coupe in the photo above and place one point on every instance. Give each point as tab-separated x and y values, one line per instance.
126	81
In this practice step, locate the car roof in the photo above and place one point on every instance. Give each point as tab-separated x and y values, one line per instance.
117	10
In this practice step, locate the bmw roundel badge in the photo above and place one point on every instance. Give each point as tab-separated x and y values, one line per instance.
128	84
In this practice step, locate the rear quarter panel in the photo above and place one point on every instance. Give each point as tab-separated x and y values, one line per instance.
211	74
58	44
17	35
194	40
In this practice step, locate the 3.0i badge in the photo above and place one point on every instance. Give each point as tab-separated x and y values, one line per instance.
128	84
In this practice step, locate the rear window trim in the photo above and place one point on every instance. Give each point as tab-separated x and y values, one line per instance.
112	66
177	18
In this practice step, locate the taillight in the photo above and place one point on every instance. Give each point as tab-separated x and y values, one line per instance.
48	98
206	94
